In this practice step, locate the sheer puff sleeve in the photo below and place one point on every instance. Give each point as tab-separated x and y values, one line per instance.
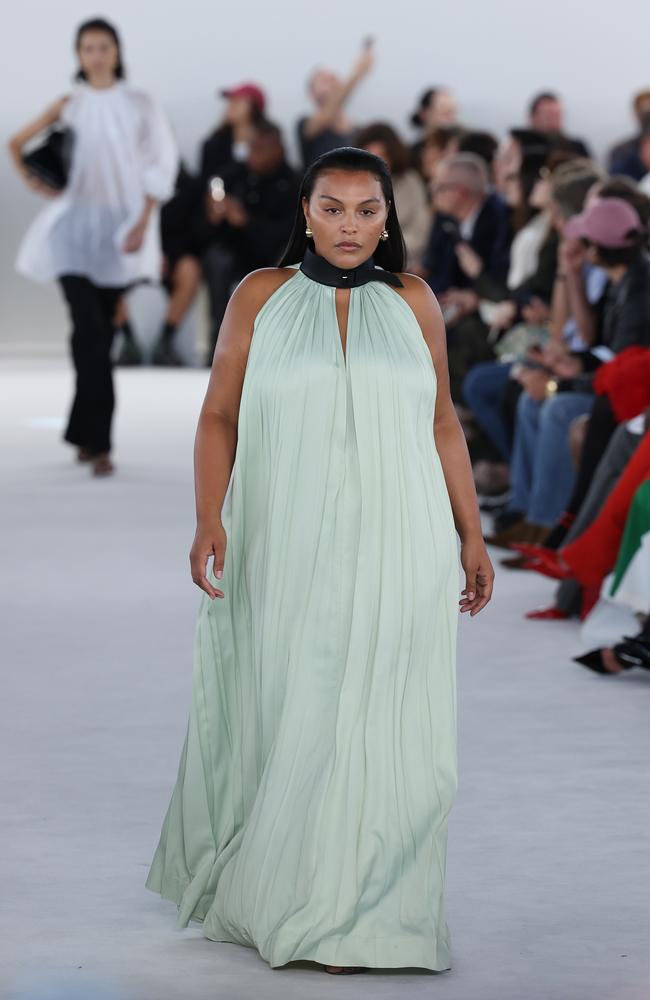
158	149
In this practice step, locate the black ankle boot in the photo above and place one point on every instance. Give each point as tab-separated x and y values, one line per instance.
164	352
129	352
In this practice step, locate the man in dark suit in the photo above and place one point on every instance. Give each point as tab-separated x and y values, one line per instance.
468	214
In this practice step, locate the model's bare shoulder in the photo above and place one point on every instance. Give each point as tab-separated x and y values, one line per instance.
252	292
258	286
419	295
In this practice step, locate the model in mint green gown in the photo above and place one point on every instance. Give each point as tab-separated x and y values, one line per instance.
309	816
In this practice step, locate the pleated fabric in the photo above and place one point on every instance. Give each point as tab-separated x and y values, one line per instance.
309	815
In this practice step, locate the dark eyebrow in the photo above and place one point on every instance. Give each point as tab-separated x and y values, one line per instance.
364	202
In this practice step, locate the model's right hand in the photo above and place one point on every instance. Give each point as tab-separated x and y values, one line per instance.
209	540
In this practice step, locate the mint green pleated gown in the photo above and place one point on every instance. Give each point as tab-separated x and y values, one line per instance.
309	816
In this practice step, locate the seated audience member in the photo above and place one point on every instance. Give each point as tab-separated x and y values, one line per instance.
484	144
435	147
590	556
410	192
181	273
644	156
546	115
608	468
229	142
247	219
328	126
467	214
574	289
627	389
543	197
624	156
543	473
509	157
437	109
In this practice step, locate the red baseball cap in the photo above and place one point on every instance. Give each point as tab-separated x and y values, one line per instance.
608	222
249	90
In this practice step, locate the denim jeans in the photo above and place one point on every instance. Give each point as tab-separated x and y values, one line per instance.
482	390
542	473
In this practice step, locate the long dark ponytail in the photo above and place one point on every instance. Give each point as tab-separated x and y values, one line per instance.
391	253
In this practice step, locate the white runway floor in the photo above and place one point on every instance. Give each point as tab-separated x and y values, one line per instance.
548	879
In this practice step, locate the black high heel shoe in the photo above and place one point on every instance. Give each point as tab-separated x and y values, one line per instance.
634	651
594	660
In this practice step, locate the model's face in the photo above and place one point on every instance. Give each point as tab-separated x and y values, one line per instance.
547	116
98	55
346	213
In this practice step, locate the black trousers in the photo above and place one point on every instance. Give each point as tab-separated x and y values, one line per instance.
91	310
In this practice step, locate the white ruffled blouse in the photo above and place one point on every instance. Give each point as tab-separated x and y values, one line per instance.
123	151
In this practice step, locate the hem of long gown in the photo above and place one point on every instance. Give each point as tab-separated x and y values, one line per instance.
399	951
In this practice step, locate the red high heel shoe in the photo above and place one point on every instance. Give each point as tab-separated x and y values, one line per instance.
547	562
531	549
548	614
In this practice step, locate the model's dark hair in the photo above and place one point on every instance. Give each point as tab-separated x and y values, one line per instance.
99	24
399	157
389	254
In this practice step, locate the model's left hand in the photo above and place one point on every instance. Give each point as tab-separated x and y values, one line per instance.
134	238
479	576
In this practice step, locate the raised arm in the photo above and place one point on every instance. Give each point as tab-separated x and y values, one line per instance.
326	113
216	435
452	449
48	117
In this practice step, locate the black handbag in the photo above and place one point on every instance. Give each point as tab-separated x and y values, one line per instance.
50	162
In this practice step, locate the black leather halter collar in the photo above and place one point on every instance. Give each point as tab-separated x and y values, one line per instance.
320	269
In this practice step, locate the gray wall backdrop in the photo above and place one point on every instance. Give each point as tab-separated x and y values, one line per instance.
493	55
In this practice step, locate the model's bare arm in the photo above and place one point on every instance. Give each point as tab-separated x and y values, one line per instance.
452	449
48	117
216	435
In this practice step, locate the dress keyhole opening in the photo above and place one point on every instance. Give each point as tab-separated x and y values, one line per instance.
342	311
